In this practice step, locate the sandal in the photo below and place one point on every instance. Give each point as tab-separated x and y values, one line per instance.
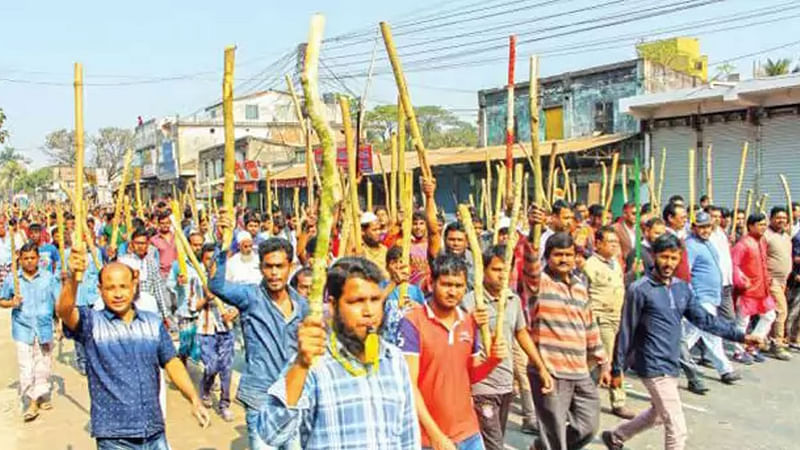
30	414
45	405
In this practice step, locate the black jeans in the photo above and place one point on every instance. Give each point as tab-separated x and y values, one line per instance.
492	412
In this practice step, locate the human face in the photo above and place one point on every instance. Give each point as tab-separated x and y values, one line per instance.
678	220
478	227
418	228
703	231
117	288
796	213
35	235
252	227
139	245
164	225
360	307
28	261
448	290
207	259
629	215
383	217
778	221
561	261
493	275
564	220
502	236
608	247
204	225
278	221
654	232
456	241
716	218
246	247
196	243
582	210
666	262
372	234
757	229
303	285
275	269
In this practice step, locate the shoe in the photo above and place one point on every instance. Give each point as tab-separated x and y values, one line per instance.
781	354
529	427
623	412
743	358
794	346
730	377
610	441
697	387
758	357
226	414
45	405
207	402
31	413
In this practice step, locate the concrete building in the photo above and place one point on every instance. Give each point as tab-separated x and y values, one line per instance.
96	183
762	112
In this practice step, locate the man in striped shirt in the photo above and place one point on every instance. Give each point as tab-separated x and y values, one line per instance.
566	335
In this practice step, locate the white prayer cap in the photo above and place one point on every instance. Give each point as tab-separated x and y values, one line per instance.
368	217
243	236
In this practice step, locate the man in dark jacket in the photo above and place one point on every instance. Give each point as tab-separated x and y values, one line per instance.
649	342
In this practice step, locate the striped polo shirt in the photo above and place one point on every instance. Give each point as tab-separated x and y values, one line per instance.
563	329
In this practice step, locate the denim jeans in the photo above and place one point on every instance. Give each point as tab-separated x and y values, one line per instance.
155	442
474	442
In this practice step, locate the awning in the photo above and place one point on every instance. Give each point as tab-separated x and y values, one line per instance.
466	155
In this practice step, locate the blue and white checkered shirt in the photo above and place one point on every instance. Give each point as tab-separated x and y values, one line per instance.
340	411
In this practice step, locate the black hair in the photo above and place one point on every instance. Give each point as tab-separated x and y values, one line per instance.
305	271
755	218
653	221
393	254
35	227
727	213
161	204
251	218
350	267
596	210
676	198
454	226
418	215
710	208
670	210
600	234
275	244
29	246
447	264
666	241
138	232
646	208
558	205
703	198
166	214
777	209
208	247
494	251
558	240
137	223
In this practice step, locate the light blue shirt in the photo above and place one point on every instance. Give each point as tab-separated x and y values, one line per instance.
706	273
34	317
88	292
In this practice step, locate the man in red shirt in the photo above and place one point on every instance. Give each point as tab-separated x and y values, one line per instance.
164	241
441	344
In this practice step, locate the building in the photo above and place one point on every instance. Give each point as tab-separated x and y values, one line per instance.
96	183
762	112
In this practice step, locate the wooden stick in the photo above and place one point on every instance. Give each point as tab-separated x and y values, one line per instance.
567	187
268	182
79	159
489	208
406	200
230	143
762	204
330	184
604	186
525	192
176	220
401	151
498	205
739	180
352	176
477	272
788	194
91	245
709	176
392	203
369	194
60	230
624	182
692	183
652	183
296	202
509	254
128	218
512	58
749	205
386	190
405	98
14	263
535	157
611	182
484	206
243	201
550	171
137	176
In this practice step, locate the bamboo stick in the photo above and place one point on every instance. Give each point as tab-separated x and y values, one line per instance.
401	150
386	190
739	180
230	143
14	270
176	220
79	160
91	245
137	175
477	272
296	202
611	184
624	181
651	182
484	206
604	186
748	206
352	175
556	176
394	179
489	208
128	218
658	198
567	187
692	183
243	201
762	204
330	183
709	176
498	204
405	98
550	172
788	195
406	200
509	254
535	157
268	182
525	192
471	201
60	235
512	59
369	194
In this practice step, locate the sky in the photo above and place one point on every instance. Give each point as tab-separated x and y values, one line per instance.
157	58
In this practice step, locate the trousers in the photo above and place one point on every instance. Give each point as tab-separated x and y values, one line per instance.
155	442
608	334
216	352
713	343
492	412
665	409
569	416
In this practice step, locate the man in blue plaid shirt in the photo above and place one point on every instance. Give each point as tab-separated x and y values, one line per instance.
351	380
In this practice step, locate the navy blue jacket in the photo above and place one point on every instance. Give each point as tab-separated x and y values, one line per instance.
649	335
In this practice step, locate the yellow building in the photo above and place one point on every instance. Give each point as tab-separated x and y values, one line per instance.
681	54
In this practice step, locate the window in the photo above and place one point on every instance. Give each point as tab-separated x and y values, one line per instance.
554	123
251	112
217	169
604	117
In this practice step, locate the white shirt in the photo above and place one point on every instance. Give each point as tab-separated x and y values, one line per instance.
719	240
240	271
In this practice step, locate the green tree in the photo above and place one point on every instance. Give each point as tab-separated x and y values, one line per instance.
11	175
777	67
59	145
109	147
9	154
3	133
33	182
440	128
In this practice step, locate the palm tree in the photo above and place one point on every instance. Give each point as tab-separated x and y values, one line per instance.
8	154
11	174
777	67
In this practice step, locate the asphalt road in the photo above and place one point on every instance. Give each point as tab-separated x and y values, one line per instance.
762	412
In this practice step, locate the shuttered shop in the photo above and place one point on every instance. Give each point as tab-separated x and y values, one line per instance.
727	139
677	140
781	155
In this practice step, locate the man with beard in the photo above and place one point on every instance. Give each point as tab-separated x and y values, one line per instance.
335	375
125	348
187	289
271	313
626	229
244	265
442	348
650	336
164	242
562	220
143	257
651	230
373	249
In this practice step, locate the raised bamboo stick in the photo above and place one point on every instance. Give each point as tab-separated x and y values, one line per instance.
509	254
748	207
611	182
128	217
477	272
652	183
535	157
624	181
498	204
709	176
243	201
692	183
604	185
14	271
401	150
788	193
762	204
489	208
79	159
567	187
296	202
512	58
739	180
551	171
525	192
176	220
268	181
60	235
405	98
352	175
393	182
230	143
406	201
369	194
484	206
386	190
330	183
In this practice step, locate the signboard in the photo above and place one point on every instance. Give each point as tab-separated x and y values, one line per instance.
168	164
363	158
248	170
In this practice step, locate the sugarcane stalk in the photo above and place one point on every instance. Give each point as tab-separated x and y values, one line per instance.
352	176
658	197
788	194
512	58
79	159
405	98
330	185
230	143
709	176
406	200
624	181
508	259
394	179
692	183
739	180
477	282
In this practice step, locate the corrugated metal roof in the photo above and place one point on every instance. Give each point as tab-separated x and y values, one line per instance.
466	155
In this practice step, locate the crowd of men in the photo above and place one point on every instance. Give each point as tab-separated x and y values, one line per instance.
398	359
